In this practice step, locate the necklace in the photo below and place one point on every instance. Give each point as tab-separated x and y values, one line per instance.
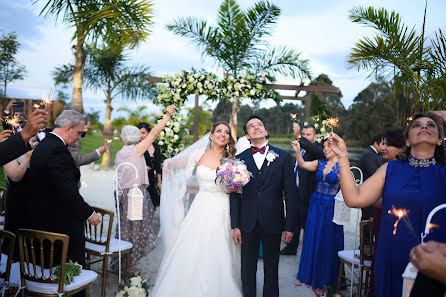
421	163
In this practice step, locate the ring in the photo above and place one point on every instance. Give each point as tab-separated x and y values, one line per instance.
413	259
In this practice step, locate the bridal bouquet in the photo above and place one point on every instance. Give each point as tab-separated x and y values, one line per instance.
234	175
133	287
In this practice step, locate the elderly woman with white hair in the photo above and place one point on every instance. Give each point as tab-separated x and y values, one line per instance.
139	233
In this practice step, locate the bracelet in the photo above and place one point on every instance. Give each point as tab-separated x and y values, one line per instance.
340	166
343	156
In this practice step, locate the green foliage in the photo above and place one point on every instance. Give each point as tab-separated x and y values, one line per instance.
71	270
10	69
204	121
376	109
118	123
237	43
401	55
93	141
319	108
136	115
276	119
117	23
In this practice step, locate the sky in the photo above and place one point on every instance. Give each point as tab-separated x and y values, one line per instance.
320	30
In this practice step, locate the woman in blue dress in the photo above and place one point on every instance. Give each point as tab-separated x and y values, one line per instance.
413	184
319	261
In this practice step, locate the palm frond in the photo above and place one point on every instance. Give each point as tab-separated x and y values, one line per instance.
63	75
284	61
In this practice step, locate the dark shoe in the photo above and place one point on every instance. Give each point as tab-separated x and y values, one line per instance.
286	251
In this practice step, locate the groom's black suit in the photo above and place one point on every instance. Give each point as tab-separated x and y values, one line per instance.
259	214
54	203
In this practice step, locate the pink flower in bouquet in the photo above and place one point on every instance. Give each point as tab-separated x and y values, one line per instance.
234	175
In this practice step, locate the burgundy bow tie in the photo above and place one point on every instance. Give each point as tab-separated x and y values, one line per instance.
258	150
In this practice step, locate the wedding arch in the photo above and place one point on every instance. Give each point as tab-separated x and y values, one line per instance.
175	89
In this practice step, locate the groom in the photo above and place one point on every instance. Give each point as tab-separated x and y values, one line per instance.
257	214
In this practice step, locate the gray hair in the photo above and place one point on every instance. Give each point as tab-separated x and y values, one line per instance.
130	134
68	118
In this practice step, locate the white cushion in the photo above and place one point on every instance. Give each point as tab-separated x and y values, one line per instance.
3	259
352	256
85	277
14	277
113	247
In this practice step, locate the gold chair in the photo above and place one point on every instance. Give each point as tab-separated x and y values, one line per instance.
38	250
7	240
361	259
98	243
3	193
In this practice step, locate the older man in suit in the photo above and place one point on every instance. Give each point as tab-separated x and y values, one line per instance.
55	204
305	180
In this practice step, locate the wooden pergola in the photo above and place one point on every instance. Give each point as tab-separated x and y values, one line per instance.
297	88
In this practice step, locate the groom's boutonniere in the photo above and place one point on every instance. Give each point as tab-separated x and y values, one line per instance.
271	156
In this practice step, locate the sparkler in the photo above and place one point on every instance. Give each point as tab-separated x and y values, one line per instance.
402	214
332	122
13	122
293	116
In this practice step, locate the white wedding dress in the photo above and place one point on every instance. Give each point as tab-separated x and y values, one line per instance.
203	261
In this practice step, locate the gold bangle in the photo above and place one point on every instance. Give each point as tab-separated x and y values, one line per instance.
340	166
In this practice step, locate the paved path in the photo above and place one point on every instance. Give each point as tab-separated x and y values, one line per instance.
97	189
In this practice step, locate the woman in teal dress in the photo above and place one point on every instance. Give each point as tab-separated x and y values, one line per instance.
323	239
414	184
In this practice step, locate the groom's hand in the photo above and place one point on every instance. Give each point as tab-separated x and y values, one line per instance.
286	236
237	236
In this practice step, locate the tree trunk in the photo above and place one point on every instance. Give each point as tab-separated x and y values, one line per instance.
107	133
233	122
79	57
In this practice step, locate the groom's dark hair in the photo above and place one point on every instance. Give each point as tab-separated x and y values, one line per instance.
245	129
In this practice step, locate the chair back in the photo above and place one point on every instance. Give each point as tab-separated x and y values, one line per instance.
7	241
100	234
3	193
366	247
40	253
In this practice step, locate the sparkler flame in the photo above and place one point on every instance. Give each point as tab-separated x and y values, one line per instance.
36	106
399	213
332	122
432	226
293	116
46	101
402	214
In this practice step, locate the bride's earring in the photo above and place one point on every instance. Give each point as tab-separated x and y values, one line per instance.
212	144
227	147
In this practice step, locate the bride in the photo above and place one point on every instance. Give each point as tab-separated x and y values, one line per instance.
200	257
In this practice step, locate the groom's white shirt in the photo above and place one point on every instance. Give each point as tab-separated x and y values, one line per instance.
260	158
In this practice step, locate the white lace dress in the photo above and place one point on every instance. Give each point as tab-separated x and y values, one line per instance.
204	261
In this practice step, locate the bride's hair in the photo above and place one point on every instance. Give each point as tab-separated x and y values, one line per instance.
230	151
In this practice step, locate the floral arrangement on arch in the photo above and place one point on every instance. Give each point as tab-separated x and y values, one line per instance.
322	129
177	87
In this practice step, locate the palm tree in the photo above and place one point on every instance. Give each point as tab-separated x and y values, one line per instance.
400	54
122	22
135	115
237	43
105	71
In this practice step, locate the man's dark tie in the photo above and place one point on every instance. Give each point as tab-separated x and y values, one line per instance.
258	150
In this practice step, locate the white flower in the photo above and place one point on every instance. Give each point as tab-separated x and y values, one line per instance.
316	125
252	92
175	137
271	156
160	142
